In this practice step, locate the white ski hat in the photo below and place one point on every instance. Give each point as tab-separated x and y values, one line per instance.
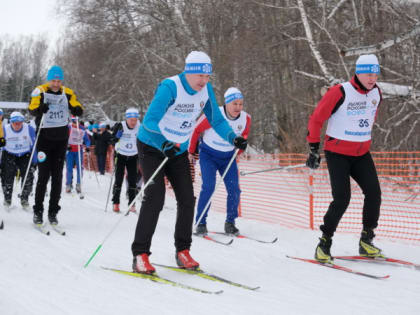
367	64
132	113
232	94
198	62
16	117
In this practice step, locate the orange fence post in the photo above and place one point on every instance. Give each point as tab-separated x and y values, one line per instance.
311	201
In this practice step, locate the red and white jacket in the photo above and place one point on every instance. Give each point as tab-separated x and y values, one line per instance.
350	118
240	125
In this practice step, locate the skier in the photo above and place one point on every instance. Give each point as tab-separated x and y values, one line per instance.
54	102
102	139
77	137
165	131
20	139
351	109
215	155
124	135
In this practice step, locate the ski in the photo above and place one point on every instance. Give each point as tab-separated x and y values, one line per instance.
1	225
58	229
156	278
385	260
247	237
207	276
209	238
338	267
42	229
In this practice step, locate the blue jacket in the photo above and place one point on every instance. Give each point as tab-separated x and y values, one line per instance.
165	95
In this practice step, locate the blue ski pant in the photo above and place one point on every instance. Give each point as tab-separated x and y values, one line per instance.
210	164
72	158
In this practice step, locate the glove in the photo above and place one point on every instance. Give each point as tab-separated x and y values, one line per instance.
69	148
314	159
32	168
240	143
44	107
170	149
87	149
2	142
76	110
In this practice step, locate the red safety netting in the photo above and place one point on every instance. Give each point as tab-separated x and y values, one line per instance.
296	197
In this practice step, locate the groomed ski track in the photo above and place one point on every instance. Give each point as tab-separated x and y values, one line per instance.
44	274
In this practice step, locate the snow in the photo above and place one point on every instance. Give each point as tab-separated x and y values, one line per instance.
44	274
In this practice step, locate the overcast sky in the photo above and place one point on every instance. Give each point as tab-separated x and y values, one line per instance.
26	17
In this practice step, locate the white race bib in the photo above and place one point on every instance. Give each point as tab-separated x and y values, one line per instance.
127	143
58	110
179	120
354	119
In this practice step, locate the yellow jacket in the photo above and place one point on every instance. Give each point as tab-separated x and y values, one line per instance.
37	98
1	130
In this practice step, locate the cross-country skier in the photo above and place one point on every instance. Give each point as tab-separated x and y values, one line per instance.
125	136
102	139
55	103
77	137
165	131
20	139
215	155
351	109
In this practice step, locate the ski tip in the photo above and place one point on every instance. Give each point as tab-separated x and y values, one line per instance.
275	240
230	242
1	225
218	292
242	173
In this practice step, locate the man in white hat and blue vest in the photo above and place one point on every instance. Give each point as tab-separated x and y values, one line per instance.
164	133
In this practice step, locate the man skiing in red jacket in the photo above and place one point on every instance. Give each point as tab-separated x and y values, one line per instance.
350	109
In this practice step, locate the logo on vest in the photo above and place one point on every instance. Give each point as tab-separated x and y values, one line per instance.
374	102
356	108
184	108
239	127
201	104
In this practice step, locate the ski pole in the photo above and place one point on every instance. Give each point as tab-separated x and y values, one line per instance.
122	217
33	150
79	156
217	185
272	169
110	184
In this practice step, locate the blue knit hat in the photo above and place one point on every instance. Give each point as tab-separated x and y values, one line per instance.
55	73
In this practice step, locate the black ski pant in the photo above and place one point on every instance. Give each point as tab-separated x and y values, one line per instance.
177	170
129	163
10	165
362	170
101	159
55	151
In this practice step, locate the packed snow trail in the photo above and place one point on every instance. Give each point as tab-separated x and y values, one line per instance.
43	274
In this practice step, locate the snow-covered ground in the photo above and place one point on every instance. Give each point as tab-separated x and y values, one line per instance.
42	274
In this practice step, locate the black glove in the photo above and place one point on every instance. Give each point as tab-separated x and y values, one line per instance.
240	143
2	142
69	147
44	107
170	149
314	159
87	149
76	110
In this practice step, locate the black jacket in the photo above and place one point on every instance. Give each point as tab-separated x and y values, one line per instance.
102	141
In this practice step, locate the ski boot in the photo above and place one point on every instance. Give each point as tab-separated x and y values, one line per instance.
37	218
201	230
116	207
78	189
52	217
25	204
185	261
322	251
141	264
231	229
366	247
7	205
68	189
